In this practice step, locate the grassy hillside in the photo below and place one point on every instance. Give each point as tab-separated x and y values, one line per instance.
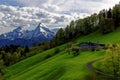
60	66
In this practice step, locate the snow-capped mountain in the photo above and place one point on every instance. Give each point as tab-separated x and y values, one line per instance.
16	33
22	37
42	30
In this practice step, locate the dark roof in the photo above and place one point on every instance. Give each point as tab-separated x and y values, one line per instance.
92	43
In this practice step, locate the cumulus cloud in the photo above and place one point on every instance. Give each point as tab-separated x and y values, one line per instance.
11	16
54	13
51	7
68	5
93	0
1	15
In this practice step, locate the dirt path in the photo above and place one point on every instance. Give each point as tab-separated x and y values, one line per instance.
92	68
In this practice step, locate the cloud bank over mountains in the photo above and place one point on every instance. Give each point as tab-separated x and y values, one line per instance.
54	13
11	16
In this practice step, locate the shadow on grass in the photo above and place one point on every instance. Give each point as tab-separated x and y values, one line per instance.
94	76
55	74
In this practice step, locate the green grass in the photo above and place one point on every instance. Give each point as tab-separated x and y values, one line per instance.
60	66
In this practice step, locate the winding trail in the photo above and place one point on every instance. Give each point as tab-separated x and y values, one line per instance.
92	68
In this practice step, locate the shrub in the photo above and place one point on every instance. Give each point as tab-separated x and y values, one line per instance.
48	56
56	50
75	50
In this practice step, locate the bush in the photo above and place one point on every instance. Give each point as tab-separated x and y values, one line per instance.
75	51
48	56
56	50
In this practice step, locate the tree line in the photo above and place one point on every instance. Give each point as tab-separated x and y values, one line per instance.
12	54
104	22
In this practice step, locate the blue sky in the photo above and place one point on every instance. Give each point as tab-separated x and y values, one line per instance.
53	13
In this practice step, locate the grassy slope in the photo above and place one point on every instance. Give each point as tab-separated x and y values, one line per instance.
61	66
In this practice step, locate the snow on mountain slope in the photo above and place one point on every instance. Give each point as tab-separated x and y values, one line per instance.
40	34
43	30
16	33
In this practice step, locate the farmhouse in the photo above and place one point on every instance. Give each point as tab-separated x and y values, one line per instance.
91	46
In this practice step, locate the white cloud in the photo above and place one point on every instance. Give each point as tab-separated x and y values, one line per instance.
29	16
87	6
54	13
51	7
1	15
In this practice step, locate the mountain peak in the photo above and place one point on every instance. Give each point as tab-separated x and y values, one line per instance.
41	25
18	29
41	29
40	34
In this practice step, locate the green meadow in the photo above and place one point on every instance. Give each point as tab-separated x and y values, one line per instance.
60	66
